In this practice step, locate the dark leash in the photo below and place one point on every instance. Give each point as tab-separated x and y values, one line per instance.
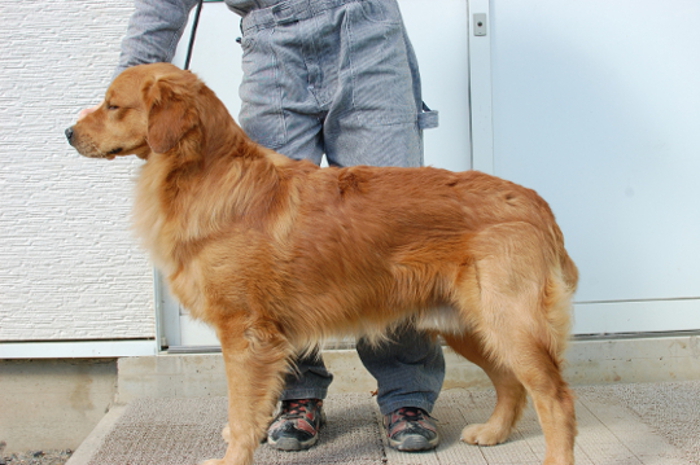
195	23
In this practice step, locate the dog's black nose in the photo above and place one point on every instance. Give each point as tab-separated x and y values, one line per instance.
69	135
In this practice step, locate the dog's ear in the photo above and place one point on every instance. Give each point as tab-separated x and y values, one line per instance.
171	113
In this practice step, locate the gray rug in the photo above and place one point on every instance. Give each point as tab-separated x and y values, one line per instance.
188	431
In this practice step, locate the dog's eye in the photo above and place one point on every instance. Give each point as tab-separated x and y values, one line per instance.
112	107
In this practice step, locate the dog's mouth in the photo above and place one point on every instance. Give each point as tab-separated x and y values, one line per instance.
111	155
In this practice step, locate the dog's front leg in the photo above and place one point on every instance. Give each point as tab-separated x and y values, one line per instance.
256	356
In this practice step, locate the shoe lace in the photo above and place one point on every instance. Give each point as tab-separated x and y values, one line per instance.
292	409
408	416
412	414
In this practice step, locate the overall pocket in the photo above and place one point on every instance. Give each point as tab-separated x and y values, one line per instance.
262	115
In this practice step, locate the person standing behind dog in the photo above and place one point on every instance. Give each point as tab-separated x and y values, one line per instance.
340	78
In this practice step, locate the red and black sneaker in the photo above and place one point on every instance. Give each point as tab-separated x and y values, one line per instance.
297	424
411	429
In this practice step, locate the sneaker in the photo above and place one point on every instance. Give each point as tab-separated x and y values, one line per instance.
297	424
411	429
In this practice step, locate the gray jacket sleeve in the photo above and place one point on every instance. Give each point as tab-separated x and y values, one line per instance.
153	33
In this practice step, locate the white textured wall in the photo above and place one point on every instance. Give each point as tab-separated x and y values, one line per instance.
69	265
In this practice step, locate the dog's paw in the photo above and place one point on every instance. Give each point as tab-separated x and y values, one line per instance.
226	434
484	435
213	462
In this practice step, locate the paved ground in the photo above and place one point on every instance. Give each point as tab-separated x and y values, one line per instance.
636	424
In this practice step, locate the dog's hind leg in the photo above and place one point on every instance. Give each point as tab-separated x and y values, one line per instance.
518	304
540	373
517	333
510	394
256	357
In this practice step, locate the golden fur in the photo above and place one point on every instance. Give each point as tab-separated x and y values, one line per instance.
279	254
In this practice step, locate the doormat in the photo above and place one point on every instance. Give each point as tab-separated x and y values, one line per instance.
186	431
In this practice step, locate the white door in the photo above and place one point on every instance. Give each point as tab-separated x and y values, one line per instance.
594	104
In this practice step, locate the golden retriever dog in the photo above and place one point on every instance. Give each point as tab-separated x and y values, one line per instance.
278	255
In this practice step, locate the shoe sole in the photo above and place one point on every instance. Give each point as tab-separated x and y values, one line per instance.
292	444
414	443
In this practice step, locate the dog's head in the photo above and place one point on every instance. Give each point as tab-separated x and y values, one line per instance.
146	109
